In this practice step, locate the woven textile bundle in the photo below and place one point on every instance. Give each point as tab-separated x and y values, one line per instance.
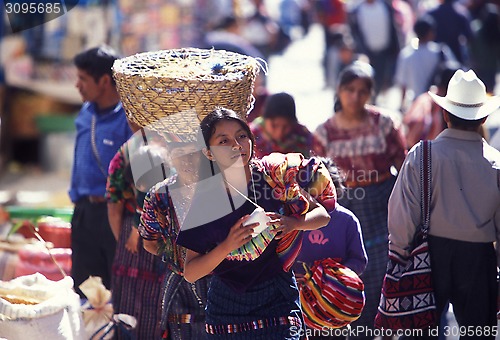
332	295
159	84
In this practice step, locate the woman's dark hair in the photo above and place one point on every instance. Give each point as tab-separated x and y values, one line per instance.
280	105
97	62
357	70
463	124
220	114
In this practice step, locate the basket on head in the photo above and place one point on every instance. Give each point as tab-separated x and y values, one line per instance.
332	295
155	85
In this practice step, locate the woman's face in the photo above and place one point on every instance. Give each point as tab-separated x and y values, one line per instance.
278	128
230	144
354	95
186	160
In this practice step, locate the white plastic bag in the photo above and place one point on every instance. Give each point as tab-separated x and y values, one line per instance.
100	323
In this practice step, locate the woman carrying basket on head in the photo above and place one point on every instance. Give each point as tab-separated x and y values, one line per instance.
251	295
183	303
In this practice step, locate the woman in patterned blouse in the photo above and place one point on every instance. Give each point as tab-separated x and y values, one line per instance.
366	144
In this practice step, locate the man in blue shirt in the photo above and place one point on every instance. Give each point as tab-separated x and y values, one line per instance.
101	129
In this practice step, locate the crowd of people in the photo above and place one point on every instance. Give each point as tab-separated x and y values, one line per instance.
172	260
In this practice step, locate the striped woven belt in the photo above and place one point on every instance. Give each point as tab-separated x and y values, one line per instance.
185	318
253	325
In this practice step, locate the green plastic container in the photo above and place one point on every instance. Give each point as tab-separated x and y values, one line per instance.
55	123
28	213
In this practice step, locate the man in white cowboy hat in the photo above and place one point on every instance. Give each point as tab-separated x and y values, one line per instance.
465	206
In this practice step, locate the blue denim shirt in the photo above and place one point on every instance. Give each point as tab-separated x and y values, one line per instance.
111	132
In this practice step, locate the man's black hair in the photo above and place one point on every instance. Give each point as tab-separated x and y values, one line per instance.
423	26
464	124
97	62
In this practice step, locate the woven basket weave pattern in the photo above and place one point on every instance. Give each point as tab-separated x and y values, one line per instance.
155	85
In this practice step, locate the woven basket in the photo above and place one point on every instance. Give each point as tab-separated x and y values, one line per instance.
156	85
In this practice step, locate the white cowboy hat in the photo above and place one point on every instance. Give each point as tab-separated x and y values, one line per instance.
466	97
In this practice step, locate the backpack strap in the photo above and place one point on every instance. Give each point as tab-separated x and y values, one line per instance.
425	181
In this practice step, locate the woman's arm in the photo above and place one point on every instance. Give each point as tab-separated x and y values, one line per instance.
115	211
132	244
152	222
316	217
199	265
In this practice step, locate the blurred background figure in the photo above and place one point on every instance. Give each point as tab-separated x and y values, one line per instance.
290	15
340	54
453	28
226	35
215	11
260	93
332	17
373	27
278	130
295	17
263	31
485	45
419	61
424	118
404	18
367	145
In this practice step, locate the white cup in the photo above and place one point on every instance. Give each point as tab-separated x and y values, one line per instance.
258	215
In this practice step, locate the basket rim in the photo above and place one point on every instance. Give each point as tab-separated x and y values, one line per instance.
186	57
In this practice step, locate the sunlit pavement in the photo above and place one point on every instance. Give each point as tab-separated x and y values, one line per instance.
298	71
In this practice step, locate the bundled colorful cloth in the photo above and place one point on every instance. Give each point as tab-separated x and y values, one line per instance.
287	174
331	295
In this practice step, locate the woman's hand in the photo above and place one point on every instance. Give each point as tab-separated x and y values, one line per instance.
239	234
133	241
285	224
199	265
